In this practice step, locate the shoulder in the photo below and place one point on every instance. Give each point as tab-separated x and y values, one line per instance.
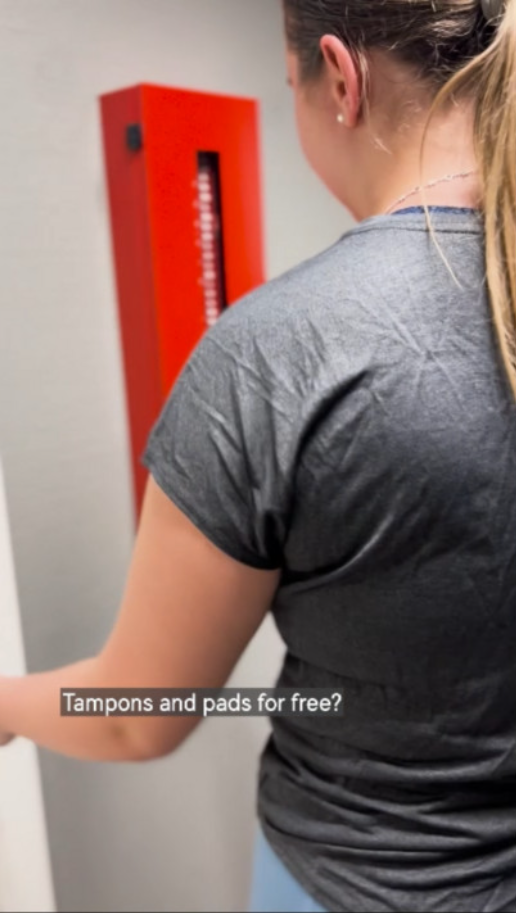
311	302
365	256
320	322
274	311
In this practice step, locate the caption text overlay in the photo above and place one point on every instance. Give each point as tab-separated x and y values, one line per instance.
205	702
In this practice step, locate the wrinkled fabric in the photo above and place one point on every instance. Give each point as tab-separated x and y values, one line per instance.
351	423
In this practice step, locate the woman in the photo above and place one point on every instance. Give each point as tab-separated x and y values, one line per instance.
341	450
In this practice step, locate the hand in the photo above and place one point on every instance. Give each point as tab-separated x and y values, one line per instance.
5	738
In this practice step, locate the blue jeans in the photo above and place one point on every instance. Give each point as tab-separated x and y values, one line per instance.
273	888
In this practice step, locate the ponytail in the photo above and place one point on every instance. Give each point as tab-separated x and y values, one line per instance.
490	80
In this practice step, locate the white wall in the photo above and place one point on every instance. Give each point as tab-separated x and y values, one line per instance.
175	835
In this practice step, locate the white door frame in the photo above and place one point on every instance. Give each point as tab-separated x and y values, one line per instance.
25	872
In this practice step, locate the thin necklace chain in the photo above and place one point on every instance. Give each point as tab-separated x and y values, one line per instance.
449	177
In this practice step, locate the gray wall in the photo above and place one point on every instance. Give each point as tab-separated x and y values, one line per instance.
176	834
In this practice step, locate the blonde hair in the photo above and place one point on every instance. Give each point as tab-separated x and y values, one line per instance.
491	80
456	52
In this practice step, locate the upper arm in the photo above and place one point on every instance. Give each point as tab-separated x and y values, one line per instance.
188	612
211	539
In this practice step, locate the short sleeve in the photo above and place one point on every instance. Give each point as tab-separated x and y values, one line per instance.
219	449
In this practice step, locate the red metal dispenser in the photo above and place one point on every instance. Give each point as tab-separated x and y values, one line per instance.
184	188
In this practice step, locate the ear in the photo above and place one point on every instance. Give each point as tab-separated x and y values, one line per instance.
345	78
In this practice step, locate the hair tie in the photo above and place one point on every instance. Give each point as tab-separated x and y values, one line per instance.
492	9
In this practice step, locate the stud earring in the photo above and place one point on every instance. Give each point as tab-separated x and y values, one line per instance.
340	118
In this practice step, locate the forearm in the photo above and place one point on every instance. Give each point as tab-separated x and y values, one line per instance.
30	706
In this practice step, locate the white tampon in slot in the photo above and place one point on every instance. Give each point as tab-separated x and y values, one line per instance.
209	236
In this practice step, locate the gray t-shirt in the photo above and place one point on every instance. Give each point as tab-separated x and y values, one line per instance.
351	423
